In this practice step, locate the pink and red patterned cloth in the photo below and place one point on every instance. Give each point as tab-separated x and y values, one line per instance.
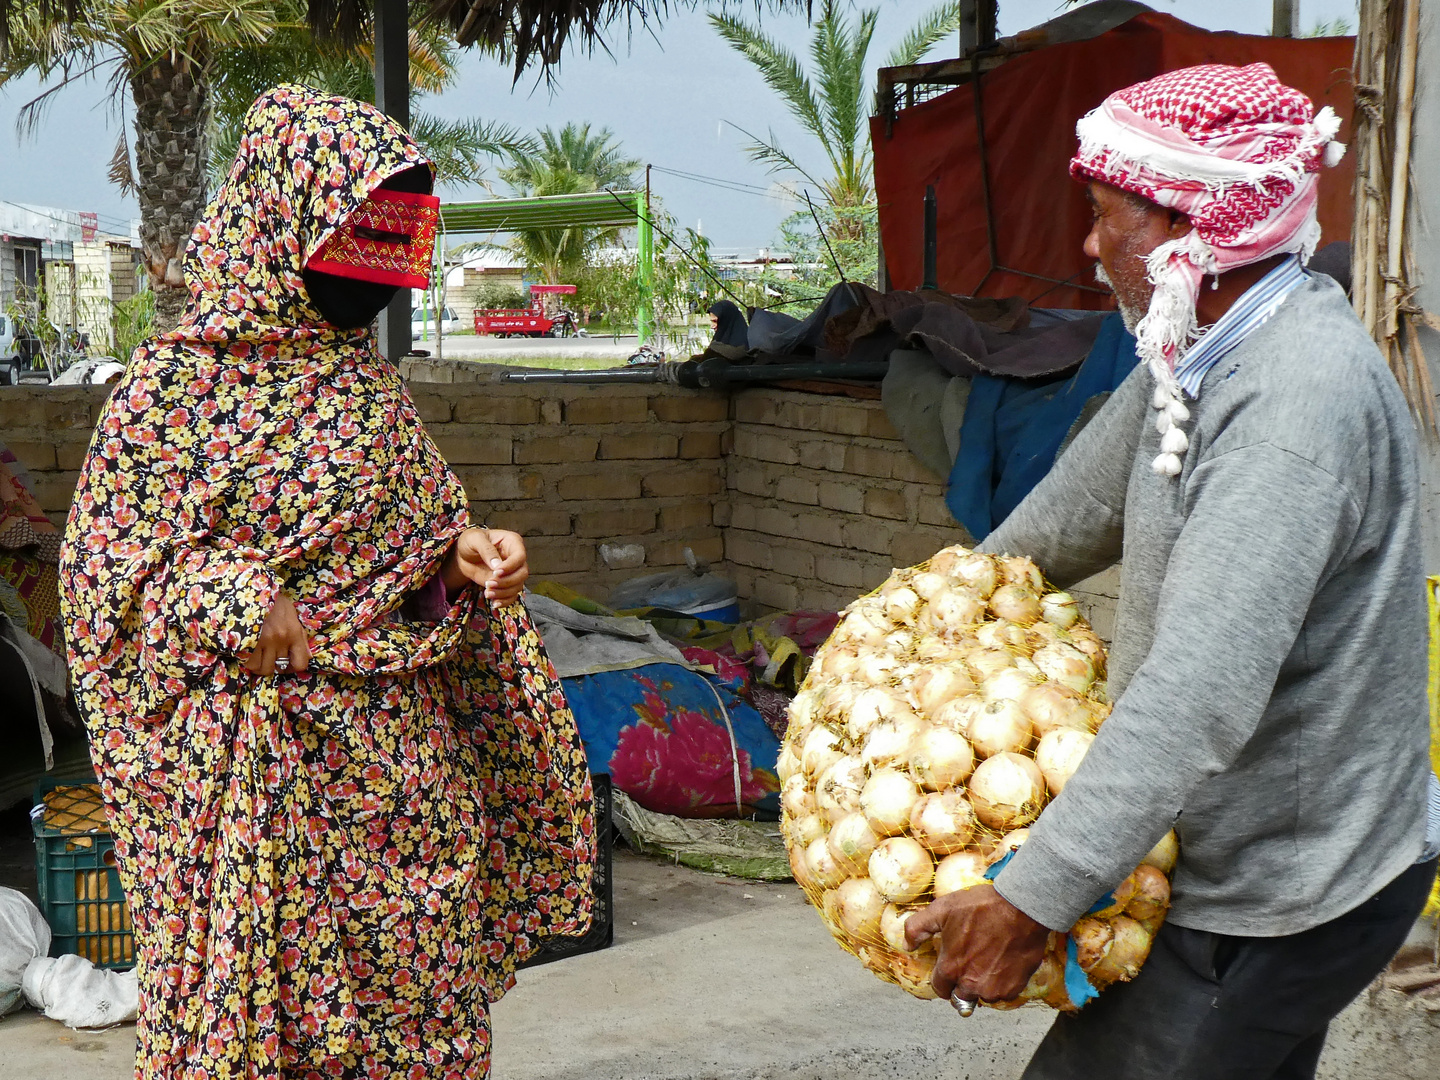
1237	152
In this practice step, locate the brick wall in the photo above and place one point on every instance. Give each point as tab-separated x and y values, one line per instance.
824	499
806	500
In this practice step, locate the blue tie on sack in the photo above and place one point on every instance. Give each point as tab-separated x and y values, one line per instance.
1077	983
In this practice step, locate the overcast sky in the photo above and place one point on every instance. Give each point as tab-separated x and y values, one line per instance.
670	98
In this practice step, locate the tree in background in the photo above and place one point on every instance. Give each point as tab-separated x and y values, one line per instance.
833	102
160	53
459	149
571	161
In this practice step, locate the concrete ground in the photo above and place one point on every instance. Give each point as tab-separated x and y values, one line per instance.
719	979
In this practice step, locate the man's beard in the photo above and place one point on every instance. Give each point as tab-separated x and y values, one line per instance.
1129	313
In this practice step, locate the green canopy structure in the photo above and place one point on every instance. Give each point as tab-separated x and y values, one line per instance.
589	210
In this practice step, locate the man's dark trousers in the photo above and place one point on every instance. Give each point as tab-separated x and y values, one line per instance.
1212	1007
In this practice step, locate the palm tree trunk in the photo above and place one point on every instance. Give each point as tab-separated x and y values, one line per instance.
171	106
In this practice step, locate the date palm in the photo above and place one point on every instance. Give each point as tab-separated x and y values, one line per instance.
158	53
459	149
832	100
567	162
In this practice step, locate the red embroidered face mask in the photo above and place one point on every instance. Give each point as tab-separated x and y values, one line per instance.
388	241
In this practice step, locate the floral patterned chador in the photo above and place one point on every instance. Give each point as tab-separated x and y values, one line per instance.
331	874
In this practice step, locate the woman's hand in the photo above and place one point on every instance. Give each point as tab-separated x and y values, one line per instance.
494	558
281	635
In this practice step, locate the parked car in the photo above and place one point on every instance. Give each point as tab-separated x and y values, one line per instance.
18	347
419	324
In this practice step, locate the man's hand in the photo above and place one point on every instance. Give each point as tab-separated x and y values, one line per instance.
494	558
988	947
280	635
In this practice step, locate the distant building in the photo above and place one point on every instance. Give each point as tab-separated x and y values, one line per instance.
62	256
480	280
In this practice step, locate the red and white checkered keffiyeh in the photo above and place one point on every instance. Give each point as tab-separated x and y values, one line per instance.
1237	152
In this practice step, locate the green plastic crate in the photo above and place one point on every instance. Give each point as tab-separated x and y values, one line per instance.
80	893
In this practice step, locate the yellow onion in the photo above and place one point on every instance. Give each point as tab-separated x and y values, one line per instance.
1003	635
928	584
945	560
1011	841
913	974
1011	682
886	800
1051	707
796	799
1152	894
799	867
837	791
963	870
936	685
1128	948
1092	938
892	929
1059	754
819	751
836	700
950	613
1164	854
1120	898
1000	727
902	605
840	662
859	907
1059	609
1019	604
804	709
788	763
830	913
877	668
865	626
987	662
941	758
1007	791
871	706
901	869
1048	978
1089	643
943	821
899	642
1066	665
851	842
975	571
890	740
1018	570
825	872
934	649
808	828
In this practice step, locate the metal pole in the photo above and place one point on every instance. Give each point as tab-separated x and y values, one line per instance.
1285	19
930	277
646	243
392	97
978	19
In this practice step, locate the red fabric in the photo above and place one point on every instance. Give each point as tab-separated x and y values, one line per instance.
354	251
1031	105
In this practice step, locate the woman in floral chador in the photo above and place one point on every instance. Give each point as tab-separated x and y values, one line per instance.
346	792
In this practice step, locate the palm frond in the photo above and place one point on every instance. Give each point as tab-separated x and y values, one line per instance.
936	25
772	154
120	174
779	67
459	148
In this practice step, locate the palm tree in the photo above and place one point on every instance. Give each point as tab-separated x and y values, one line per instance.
832	101
567	162
160	51
294	53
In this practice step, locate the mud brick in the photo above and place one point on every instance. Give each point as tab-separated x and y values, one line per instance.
622	521
777	594
690	515
531	522
821	529
793	489
607	410
886	504
610	483
838	495
460	447
709	408
556	448
622	447
698	480
700	444
486	407
431	408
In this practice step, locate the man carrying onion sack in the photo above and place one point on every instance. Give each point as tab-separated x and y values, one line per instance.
1269	662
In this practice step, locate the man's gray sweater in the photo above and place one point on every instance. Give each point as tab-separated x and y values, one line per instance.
1269	663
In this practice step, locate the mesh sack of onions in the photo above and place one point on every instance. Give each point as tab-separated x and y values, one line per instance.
942	714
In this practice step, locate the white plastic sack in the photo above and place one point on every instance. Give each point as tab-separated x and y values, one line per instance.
80	995
24	935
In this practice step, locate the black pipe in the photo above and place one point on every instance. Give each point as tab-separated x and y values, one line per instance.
930	281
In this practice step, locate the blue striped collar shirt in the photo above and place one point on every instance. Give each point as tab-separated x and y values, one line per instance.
1245	316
